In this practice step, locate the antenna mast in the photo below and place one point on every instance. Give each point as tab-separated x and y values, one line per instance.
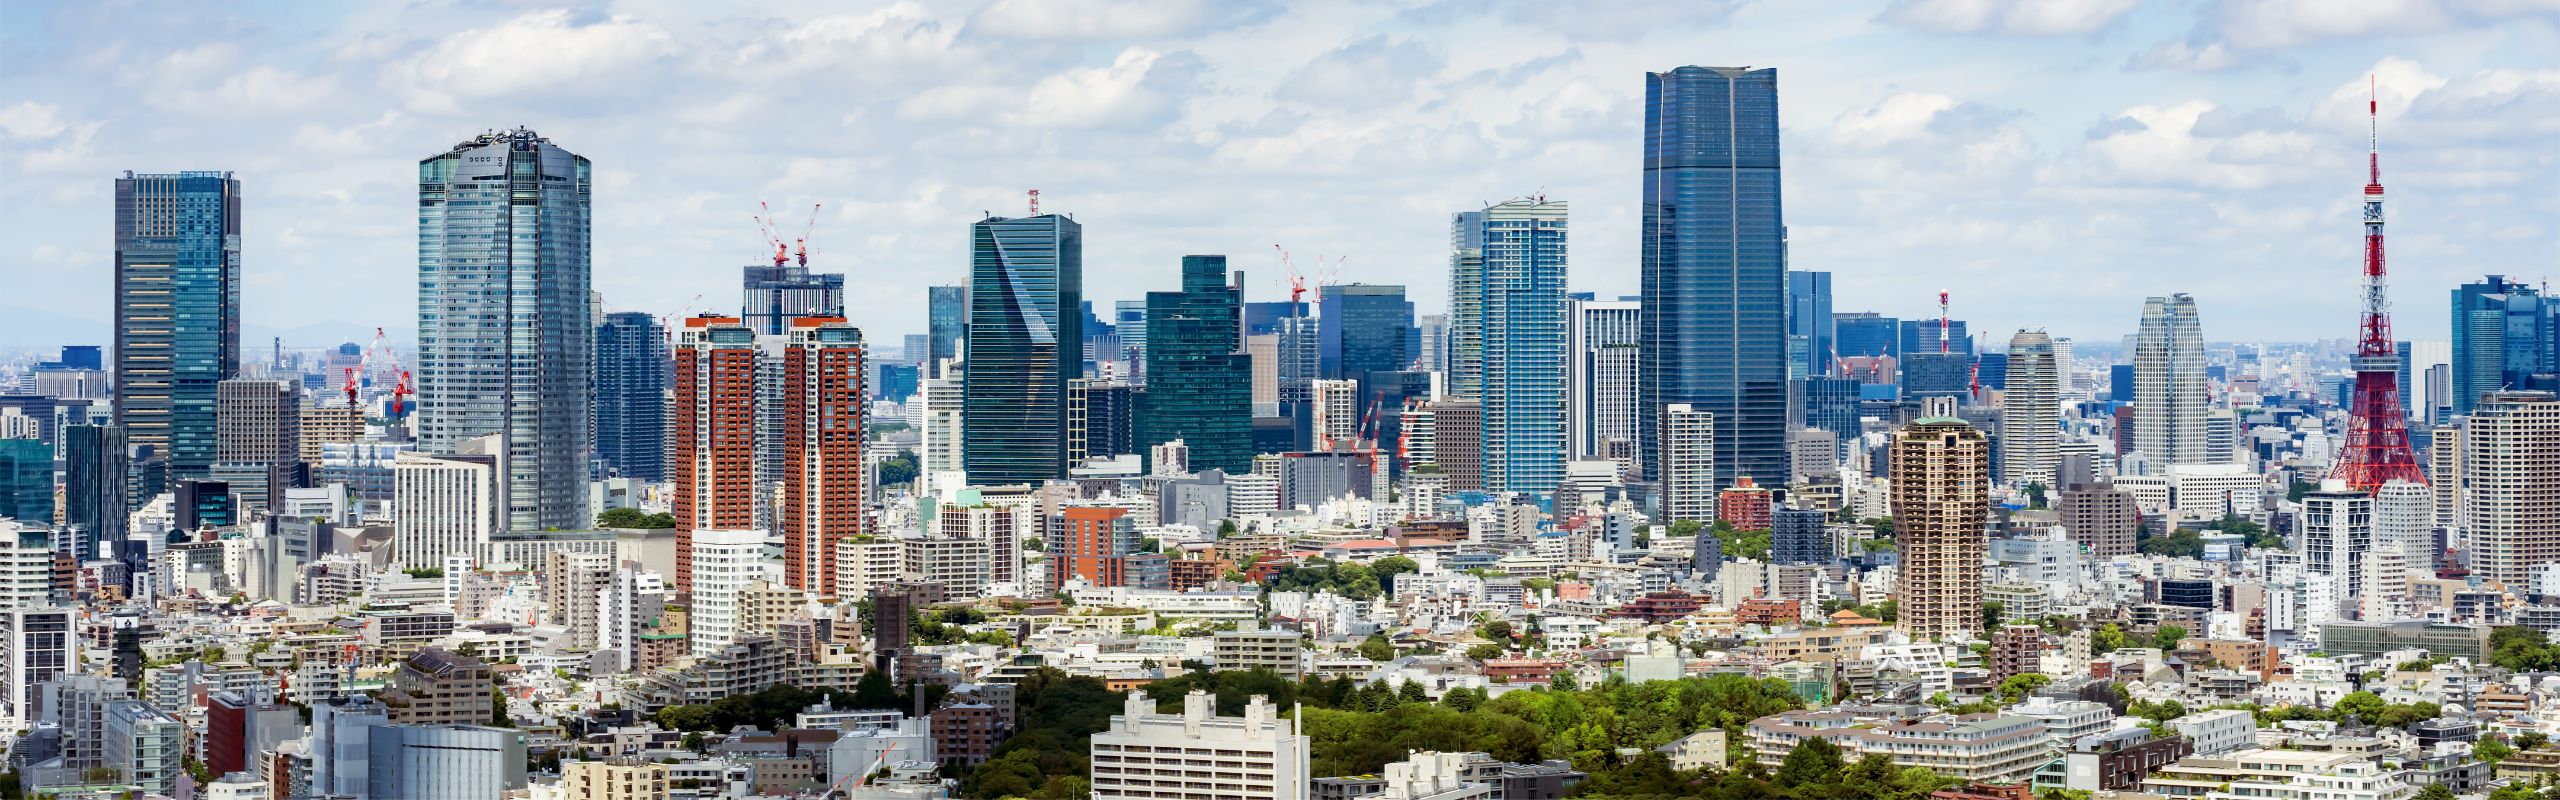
2377	448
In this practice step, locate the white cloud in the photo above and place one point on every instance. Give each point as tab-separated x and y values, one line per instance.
2022	17
1362	74
2225	29
543	52
2186	56
1141	89
32	120
361	138
1114	20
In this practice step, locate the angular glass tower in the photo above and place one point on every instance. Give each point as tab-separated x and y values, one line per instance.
177	309
1714	263
1363	329
1025	341
506	344
1199	378
1522	308
631	386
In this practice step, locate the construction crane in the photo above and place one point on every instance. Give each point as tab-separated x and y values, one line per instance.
802	243
764	225
1297	282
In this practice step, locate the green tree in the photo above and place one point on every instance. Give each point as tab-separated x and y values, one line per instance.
2521	649
1992	615
897	470
2168	636
1486	651
1497	630
498	709
2493	749
1386	569
1812	762
2016	688
633	518
1377	648
2108	639
2366	706
2035	495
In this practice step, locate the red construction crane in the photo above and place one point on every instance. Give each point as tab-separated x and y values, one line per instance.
1297	282
764	225
2377	448
802	243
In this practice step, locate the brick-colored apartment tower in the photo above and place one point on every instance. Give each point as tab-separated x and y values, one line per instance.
825	391
711	433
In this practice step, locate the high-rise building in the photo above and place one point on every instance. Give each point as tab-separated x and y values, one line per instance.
1465	353
1129	317
38	645
2404	523
947	308
1688	467
1336	423
1941	502
1025	335
1092	543
257	422
785	290
2335	532
26	481
2169	394
505	335
1102	420
1799	536
2508	473
1362	330
1809	325
723	563
2506	336
2099	517
711	436
631	395
2030	412
1714	263
1522	342
1453	437
1600	384
825	410
434	762
1199	377
143	746
1917	336
95	463
1199	753
940	402
447	504
1432	350
1865	334
177	262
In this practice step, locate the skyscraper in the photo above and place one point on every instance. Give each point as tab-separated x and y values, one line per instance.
2169	399
778	292
947	323
95	462
825	493
1466	304
631	395
1941	499
1688	463
1523	345
177	263
26	481
2506	336
259	422
711	441
2030	412
1714	263
1600	384
1809	326
1199	377
1362	328
2336	531
1865	334
1025	340
2508	478
1130	317
505	339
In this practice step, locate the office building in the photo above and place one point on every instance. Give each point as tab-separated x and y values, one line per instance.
786	290
437	687
505	335
1941	501
26	562
1129	318
1361	329
1865	334
940	401
631	395
2334	534
1465	354
947	310
2099	517
1799	536
1025	334
447	504
1810	329
26	481
2169	394
95	463
1714	266
2030	412
2506	336
324	425
711	438
1198	753
1521	318
38	645
443	762
1688	466
257	422
1919	336
144	746
825	428
177	279
1199	377
2508	473
1600	381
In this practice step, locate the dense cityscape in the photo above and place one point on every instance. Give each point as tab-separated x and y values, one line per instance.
1710	535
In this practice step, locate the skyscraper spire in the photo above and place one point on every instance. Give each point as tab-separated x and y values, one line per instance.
2377	449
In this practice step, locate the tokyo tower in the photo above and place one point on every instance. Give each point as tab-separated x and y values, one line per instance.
2377	449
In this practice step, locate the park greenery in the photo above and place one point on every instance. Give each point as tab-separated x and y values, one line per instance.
633	518
1352	580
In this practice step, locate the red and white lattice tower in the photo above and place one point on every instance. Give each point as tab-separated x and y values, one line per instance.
2377	448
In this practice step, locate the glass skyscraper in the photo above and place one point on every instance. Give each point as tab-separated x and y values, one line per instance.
506	344
1809	326
631	389
177	263
947	324
1714	263
26	481
1363	329
2506	336
776	293
1521	308
1199	378
1865	334
95	463
1025	341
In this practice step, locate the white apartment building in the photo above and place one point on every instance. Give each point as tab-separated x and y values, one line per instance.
864	563
1199	754
1688	453
724	563
2218	732
449	504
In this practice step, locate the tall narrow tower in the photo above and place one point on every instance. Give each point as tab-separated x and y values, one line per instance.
2377	448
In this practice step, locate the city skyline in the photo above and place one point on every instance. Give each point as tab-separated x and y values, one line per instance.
2052	221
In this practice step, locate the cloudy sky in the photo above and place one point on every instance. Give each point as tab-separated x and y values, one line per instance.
2051	162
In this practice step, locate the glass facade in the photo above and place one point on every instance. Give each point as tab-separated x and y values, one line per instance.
94	464
1199	378
1831	404
2506	336
631	390
948	323
26	481
1865	335
177	241
1522	307
1363	327
1809	326
505	340
779	292
1025	341
1714	263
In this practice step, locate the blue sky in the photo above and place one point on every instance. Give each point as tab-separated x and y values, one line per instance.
2051	163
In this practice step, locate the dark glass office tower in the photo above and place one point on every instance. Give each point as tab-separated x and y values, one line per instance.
1363	328
631	395
95	463
506	337
177	309
1199	378
1715	261
1025	341
2506	336
947	324
1809	326
1921	336
776	293
26	481
1865	334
